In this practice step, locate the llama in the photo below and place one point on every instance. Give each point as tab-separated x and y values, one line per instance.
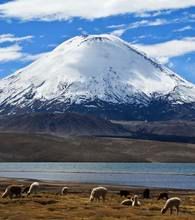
163	195
146	194
33	188
13	190
97	193
26	189
127	202
64	190
135	201
170	203
124	193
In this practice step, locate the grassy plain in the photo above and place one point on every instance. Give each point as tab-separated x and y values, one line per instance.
76	206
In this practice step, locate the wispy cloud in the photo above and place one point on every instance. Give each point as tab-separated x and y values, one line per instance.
15	53
119	32
10	53
143	23
12	38
153	13
116	26
122	28
166	50
82	31
89	9
186	28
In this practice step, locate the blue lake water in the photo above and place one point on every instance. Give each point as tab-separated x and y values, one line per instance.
166	175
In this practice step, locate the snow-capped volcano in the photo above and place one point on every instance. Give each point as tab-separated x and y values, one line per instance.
94	74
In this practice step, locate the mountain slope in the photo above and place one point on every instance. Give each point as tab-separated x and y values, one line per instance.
97	74
169	131
45	148
60	124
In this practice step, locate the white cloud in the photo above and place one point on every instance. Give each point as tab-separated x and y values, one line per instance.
82	31
145	23
88	9
153	14
186	28
116	26
15	53
119	32
10	53
11	38
138	24
165	50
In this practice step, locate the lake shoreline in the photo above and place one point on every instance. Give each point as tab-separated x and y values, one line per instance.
82	185
178	176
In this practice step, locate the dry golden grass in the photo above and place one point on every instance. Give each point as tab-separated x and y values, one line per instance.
76	206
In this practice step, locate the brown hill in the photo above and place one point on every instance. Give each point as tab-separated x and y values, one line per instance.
39	148
60	124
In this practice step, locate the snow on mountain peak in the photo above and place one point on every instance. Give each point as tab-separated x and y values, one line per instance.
93	67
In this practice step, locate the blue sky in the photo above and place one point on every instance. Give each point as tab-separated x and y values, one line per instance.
163	29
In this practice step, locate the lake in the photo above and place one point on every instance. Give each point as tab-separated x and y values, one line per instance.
166	175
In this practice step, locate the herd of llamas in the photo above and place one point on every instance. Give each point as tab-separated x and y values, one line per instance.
97	194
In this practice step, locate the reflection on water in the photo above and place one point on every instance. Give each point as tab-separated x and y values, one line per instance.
169	175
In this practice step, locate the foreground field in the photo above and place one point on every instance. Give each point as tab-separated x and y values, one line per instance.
76	206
